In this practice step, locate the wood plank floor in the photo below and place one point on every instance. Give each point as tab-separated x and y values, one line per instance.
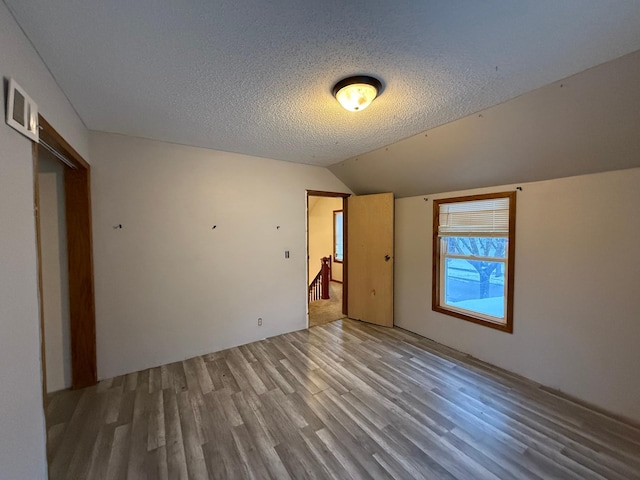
342	400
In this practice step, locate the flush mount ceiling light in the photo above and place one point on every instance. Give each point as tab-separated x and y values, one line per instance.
357	93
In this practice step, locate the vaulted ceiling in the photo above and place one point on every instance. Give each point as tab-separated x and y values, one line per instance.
255	77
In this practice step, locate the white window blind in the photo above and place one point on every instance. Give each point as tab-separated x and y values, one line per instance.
475	218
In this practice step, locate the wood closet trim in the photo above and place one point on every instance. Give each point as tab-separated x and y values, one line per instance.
53	138
77	186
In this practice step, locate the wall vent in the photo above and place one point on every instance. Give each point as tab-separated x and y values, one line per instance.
22	112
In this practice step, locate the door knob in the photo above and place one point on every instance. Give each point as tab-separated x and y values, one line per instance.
387	258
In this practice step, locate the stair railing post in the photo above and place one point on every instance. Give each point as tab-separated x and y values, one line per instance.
325	278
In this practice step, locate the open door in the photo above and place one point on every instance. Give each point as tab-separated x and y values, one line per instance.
370	264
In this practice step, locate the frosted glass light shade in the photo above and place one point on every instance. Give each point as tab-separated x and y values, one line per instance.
356	93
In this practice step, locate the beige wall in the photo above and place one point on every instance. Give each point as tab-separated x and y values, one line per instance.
22	434
336	272
168	286
55	271
321	234
576	325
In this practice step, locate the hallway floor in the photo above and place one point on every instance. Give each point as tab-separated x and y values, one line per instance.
325	311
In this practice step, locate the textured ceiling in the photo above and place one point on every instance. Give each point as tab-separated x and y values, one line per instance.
586	123
255	77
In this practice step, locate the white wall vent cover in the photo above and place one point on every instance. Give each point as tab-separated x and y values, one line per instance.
22	112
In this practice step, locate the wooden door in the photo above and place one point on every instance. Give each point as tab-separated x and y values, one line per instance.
370	258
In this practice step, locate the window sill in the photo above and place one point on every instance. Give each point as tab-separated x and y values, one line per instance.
504	327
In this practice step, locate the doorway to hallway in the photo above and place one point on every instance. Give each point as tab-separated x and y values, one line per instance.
326	257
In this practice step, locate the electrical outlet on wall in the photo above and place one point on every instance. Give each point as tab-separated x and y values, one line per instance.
260	322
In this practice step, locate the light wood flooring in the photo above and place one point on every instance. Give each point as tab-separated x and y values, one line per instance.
342	400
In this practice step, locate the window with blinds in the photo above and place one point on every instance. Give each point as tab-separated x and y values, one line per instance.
473	258
475	218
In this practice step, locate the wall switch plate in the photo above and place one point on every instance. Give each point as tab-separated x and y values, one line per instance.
286	254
